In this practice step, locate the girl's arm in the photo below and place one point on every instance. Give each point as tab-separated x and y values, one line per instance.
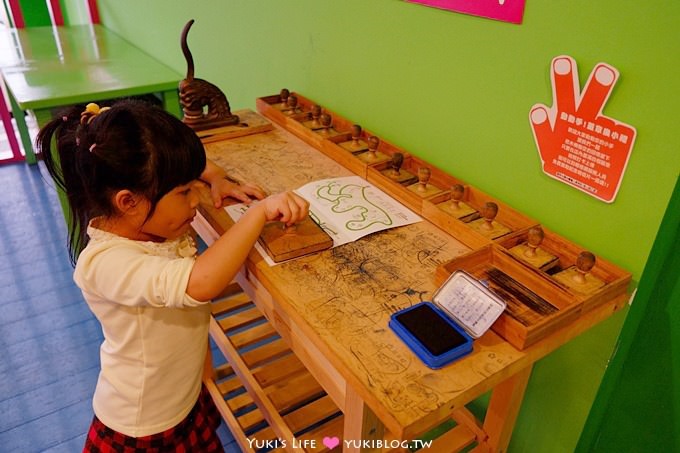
221	186
216	267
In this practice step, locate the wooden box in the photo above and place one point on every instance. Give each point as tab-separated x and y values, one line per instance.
507	217
295	123
536	305
439	180
615	281
357	162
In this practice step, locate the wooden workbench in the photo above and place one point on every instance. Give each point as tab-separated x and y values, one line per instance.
331	310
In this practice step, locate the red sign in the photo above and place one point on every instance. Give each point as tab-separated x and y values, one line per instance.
577	144
505	10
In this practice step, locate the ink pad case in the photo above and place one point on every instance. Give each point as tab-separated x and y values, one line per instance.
443	330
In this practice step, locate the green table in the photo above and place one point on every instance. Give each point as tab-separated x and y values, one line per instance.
48	67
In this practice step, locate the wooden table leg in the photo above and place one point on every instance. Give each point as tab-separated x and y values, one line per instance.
502	412
362	428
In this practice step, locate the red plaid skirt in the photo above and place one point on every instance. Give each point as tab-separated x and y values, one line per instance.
196	433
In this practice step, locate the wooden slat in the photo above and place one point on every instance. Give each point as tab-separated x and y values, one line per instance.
278	370
252	335
240	402
240	319
463	416
311	413
267	352
223	371
299	419
453	440
285	395
229	303
307	416
332	428
229	385
251	419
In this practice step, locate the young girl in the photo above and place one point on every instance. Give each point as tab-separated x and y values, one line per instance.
129	173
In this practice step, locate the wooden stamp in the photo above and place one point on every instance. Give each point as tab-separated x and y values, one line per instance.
291	107
530	251
315	122
456	207
423	186
356	144
326	130
373	156
487	226
284	243
578	277
396	173
283	99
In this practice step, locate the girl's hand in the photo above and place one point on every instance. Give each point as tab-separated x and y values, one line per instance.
223	188
286	207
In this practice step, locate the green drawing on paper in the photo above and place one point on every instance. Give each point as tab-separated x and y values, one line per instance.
352	197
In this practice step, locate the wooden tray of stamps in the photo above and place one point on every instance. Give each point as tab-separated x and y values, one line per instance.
468	226
603	282
536	305
409	191
297	121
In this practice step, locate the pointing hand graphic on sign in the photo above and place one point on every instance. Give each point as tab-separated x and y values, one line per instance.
577	144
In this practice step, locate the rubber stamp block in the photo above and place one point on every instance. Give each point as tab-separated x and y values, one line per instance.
291	107
373	156
456	207
423	186
326	129
282	100
578	277
531	251
315	122
356	144
284	243
487	225
396	173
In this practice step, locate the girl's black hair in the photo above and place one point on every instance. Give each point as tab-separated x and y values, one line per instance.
134	145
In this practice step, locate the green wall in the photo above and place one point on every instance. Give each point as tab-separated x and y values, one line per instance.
456	90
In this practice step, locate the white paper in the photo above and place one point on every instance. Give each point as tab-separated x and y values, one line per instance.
350	208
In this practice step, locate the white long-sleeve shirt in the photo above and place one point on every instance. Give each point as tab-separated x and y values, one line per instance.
155	335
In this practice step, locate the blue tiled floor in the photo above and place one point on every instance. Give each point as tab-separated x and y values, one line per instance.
49	339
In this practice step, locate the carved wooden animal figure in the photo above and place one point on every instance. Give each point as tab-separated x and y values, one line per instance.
204	104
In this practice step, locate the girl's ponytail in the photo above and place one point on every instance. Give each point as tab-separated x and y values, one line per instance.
62	165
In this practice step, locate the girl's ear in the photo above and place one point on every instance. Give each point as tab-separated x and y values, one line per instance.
126	201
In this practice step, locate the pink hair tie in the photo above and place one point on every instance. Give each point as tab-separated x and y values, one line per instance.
92	146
